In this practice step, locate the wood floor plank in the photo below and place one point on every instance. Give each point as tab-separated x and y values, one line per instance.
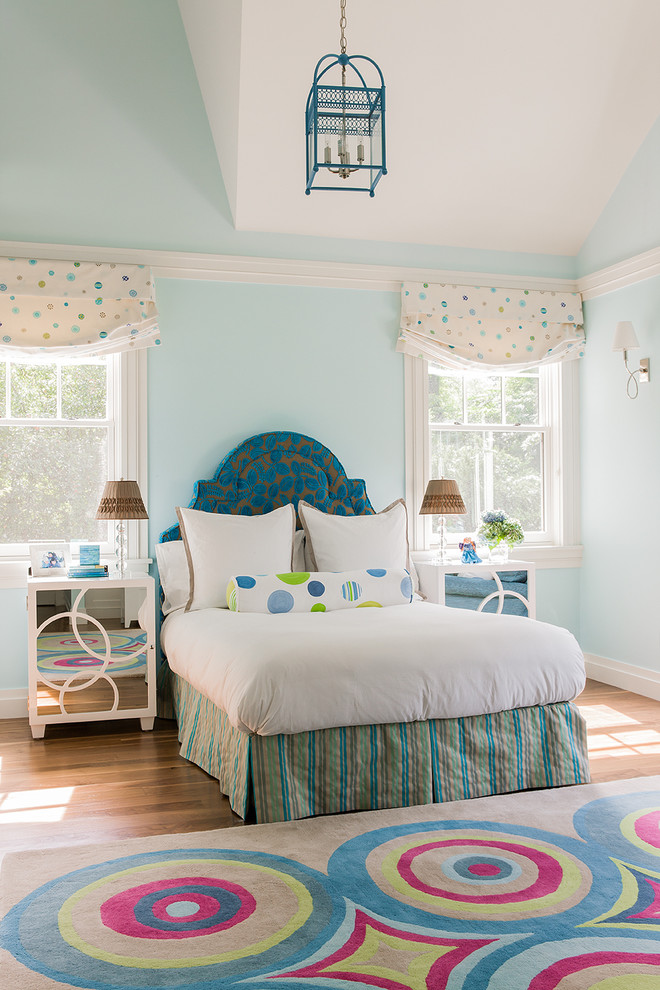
99	781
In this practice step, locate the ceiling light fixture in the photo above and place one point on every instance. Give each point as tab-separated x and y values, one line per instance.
345	124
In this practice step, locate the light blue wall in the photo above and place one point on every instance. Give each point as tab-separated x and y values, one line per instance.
240	359
619	437
13	654
558	597
620	483
630	222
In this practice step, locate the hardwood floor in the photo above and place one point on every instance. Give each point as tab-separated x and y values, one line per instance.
94	781
623	731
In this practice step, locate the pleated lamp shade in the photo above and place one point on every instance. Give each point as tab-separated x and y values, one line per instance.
442	498
121	500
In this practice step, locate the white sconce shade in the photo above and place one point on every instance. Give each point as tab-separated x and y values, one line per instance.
625	338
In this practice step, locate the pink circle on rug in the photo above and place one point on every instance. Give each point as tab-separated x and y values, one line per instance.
77	662
647	828
484	869
118	912
551	977
549	877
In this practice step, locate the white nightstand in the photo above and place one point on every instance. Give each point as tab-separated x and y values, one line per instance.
88	656
432	581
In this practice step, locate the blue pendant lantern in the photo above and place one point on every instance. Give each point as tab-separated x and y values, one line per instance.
345	123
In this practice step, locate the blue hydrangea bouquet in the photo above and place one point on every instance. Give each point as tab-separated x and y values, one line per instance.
499	530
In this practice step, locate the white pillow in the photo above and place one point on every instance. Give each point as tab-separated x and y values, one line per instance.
174	574
347	543
219	545
298	563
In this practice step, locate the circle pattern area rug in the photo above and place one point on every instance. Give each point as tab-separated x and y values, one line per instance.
426	903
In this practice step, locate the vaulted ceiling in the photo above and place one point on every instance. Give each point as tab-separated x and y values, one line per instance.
509	124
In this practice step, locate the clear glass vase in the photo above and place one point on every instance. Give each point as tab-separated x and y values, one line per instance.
499	554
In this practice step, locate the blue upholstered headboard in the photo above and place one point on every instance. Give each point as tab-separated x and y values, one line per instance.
273	469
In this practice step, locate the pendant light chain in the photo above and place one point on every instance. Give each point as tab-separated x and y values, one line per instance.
343	146
342	25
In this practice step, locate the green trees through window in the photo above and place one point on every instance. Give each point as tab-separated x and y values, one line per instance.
486	432
55	442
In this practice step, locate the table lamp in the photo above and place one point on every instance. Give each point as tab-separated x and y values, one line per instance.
121	500
442	498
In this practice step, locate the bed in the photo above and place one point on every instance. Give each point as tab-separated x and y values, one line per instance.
302	714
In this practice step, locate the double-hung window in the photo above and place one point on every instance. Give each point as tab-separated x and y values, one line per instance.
509	440
490	433
66	427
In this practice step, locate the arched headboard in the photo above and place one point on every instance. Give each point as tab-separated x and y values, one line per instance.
273	469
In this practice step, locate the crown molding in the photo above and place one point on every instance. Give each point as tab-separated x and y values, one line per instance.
278	271
624	273
333	274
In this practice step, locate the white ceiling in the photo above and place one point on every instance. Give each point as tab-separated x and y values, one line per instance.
509	124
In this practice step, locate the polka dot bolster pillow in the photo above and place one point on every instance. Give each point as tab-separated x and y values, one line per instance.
321	591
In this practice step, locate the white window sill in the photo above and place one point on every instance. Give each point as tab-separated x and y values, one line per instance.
543	556
13	573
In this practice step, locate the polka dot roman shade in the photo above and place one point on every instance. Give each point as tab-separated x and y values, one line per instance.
462	326
75	308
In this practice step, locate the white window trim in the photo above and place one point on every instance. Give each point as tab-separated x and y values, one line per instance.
131	446
562	493
128	460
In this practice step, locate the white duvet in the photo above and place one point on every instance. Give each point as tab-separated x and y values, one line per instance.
296	672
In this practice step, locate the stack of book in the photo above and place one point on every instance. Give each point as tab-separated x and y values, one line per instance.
88	570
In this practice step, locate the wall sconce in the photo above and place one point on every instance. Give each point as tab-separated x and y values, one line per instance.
625	339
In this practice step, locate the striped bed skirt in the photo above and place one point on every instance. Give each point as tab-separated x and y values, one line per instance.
365	767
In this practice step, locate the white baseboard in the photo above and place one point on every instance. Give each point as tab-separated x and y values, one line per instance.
13	704
639	680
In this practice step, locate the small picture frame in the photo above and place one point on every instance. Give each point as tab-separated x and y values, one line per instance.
49	559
